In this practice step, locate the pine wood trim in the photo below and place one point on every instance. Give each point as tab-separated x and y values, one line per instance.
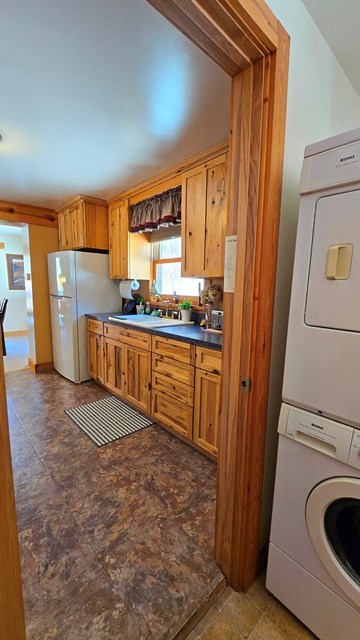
234	34
40	367
171	177
12	623
74	202
27	213
255	178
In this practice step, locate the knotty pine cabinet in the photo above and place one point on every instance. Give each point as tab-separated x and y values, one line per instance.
174	381
128	353
129	253
173	384
95	349
203	219
207	399
83	224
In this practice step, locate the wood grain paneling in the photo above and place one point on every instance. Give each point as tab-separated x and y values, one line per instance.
28	214
11	609
255	177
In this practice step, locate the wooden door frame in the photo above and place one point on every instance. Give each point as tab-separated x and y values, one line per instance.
247	41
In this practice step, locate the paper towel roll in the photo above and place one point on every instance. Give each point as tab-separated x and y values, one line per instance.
125	289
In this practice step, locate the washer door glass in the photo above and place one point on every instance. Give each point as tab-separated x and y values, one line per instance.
342	527
333	522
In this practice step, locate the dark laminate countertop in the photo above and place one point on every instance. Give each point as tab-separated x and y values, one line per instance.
188	333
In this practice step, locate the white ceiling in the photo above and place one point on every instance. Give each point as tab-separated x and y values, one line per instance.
97	95
339	23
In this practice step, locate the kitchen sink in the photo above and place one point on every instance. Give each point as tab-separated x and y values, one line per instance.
148	322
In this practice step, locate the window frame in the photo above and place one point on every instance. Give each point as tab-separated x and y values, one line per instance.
155	260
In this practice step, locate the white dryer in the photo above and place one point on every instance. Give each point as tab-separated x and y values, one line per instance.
322	365
314	554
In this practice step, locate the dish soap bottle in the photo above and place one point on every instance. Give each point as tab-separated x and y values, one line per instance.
147	308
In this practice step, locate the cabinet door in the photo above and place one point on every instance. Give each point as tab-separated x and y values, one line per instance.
129	253
95	356
114	366
203	219
118	239
137	376
64	223
78	227
207	410
169	411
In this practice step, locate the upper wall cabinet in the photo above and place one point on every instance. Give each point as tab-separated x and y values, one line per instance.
203	219
129	252
83	224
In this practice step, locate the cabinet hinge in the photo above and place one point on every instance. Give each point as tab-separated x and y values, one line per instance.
245	384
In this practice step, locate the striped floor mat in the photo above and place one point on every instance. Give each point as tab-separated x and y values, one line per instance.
107	419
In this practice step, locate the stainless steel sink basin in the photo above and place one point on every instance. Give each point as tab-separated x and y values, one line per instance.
148	322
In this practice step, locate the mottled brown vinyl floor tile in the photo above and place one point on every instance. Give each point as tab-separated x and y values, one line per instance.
116	542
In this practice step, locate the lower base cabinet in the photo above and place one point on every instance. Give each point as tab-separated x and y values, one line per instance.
137	376
95	350
207	410
176	382
113	377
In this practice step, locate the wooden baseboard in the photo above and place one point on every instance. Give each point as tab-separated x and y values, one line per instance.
10	334
40	367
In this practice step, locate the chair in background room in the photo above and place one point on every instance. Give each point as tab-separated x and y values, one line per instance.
2	318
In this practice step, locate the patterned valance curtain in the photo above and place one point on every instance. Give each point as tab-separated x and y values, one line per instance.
162	210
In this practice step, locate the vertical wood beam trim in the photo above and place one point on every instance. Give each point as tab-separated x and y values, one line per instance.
239	169
12	623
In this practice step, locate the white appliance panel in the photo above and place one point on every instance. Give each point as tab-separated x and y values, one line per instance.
336	167
84	278
335	303
65	337
321	365
62	274
308	480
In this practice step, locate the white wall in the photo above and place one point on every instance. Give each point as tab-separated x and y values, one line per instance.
15	319
321	103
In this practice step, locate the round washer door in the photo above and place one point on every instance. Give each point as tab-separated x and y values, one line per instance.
333	521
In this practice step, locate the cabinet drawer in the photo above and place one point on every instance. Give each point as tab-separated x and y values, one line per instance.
208	359
173	369
174	414
174	388
128	336
181	351
95	326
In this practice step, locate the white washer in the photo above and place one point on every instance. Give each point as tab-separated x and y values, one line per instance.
314	554
322	370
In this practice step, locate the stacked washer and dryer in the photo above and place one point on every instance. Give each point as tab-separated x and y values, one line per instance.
314	554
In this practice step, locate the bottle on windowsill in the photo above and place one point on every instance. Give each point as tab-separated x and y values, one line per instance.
153	292
147	308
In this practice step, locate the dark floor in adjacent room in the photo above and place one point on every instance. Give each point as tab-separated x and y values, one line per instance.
117	541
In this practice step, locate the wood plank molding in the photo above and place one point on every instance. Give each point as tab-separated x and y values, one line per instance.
246	40
12	623
27	214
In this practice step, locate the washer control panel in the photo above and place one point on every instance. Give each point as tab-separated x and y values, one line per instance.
331	438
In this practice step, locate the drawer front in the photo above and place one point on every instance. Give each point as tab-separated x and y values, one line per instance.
180	351
128	336
95	326
178	390
174	414
178	371
208	359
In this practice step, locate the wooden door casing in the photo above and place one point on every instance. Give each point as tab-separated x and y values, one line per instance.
247	41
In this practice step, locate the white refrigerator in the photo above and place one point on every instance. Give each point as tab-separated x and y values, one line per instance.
78	284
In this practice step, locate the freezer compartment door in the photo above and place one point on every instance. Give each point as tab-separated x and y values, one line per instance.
65	337
333	300
62	274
